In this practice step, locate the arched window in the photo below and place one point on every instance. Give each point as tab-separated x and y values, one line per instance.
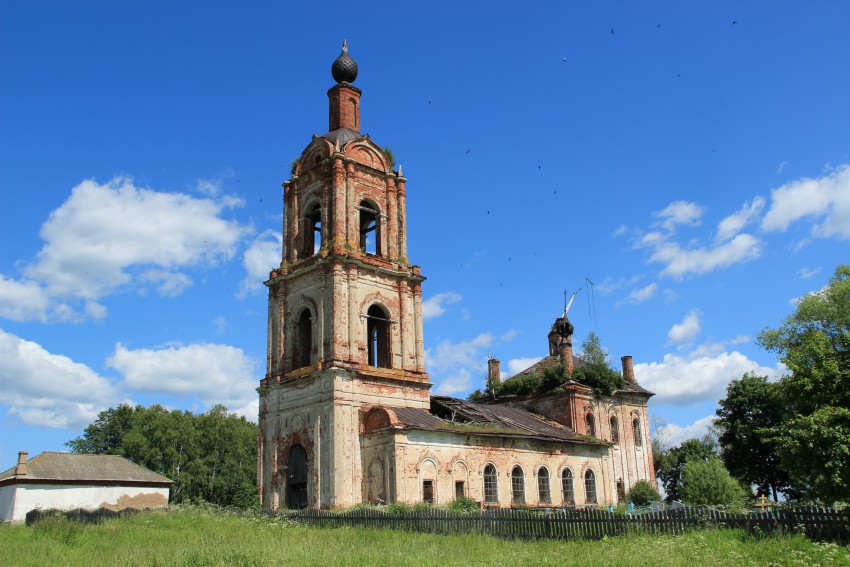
303	340
544	495
378	337
517	486
567	487
296	478
615	430
312	230
590	487
638	436
591	425
370	228
621	490
491	489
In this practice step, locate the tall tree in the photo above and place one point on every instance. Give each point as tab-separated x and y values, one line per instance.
672	465
210	456
747	416
814	343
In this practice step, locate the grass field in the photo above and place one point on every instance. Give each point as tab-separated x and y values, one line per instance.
196	536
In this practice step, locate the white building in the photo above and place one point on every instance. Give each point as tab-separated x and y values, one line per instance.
67	481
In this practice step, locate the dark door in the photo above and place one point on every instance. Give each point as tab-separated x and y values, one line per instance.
296	479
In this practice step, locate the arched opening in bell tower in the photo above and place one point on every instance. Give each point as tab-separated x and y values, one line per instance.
303	340
312	230
378	337
370	228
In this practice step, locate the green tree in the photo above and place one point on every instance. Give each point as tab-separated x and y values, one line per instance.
593	369
643	494
209	456
673	462
752	409
708	483
813	443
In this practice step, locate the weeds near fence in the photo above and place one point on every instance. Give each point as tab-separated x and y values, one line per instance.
820	524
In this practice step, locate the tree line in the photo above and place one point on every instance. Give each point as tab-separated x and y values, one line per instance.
789	436
211	457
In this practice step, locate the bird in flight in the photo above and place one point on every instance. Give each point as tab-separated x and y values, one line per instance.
612	31
565	60
429	101
469	150
734	22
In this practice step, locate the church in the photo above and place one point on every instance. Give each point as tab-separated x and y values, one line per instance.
346	415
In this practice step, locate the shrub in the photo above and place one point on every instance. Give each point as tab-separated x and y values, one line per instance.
707	483
397	508
463	504
643	493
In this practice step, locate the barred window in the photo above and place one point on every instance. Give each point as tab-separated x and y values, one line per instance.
615	430
567	487
590	487
544	494
491	491
517	486
638	436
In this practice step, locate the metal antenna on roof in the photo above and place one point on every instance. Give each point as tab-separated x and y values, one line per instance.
570	304
590	300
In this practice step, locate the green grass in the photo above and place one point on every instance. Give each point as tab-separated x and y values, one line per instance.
194	536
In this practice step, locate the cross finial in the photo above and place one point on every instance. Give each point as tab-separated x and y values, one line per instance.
345	45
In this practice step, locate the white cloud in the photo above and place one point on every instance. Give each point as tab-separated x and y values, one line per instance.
680	262
699	376
687	330
260	258
48	389
673	435
679	213
434	306
639	295
825	199
22	300
509	336
806	273
107	236
610	285
781	166
220	324
455	383
519	364
734	223
212	373
447	354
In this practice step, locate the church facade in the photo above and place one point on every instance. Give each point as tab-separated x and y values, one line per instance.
346	415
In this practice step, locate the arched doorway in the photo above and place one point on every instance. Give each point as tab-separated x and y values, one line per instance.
296	478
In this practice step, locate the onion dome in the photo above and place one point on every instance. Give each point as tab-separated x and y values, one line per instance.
344	69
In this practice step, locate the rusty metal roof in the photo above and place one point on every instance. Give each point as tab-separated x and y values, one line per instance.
459	416
77	467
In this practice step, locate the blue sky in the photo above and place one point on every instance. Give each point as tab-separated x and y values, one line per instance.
691	159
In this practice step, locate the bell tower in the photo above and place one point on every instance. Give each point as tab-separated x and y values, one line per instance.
345	312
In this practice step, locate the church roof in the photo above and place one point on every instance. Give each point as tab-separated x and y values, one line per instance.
58	468
459	416
553	360
341	135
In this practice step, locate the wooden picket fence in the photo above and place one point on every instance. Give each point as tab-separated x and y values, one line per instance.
824	524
